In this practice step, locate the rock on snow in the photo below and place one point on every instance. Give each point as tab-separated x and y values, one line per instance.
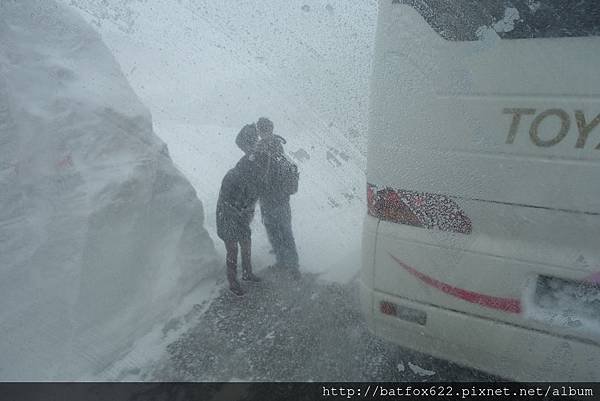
100	235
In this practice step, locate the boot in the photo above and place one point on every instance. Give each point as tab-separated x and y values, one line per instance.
236	289
247	275
277	266
295	274
234	284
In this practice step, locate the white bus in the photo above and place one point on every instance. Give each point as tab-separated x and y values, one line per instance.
481	244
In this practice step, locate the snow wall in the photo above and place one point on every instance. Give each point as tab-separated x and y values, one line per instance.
230	63
100	235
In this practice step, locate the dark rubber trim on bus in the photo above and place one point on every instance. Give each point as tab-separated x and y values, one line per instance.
525	205
569	337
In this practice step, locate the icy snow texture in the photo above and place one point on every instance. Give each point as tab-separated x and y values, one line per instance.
226	64
322	55
100	235
507	24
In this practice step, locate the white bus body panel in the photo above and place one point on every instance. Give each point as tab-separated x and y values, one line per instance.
441	115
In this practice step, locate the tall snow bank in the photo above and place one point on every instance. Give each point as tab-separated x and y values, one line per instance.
100	235
217	83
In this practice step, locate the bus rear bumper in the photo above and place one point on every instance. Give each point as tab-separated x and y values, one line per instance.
505	350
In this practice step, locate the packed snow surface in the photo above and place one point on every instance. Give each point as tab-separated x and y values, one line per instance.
100	235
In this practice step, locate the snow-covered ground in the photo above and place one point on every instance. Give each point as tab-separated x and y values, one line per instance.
100	235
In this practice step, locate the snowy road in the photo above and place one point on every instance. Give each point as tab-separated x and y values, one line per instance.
285	330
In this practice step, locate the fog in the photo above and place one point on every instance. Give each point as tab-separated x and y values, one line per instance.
100	227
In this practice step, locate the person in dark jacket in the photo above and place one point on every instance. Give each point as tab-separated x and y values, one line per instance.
275	199
247	138
239	193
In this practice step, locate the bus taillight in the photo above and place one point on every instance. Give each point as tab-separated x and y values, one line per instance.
419	209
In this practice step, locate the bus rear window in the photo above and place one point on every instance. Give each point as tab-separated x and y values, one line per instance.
466	20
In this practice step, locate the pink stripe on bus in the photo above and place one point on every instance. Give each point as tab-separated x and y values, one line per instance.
510	305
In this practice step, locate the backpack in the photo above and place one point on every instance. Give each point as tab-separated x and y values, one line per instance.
285	174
